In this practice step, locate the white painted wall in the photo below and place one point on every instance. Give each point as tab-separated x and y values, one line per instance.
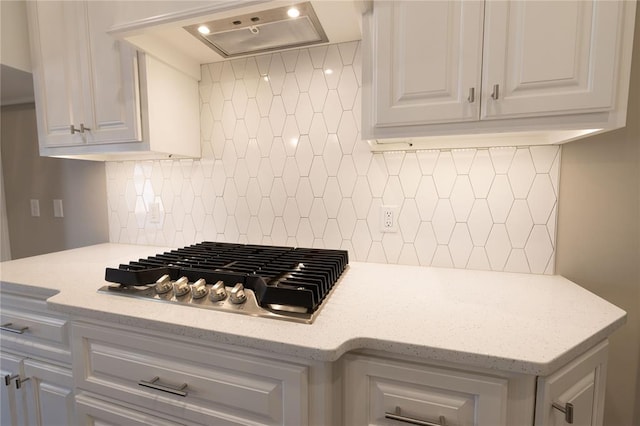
14	37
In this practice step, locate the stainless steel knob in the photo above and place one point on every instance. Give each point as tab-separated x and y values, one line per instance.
237	294
181	286
199	289
163	285
218	292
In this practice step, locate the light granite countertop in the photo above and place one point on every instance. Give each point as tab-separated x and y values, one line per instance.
522	323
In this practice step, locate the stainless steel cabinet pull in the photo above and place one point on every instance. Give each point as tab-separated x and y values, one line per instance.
20	381
472	95
567	409
496	92
155	384
13	329
399	417
8	378
80	130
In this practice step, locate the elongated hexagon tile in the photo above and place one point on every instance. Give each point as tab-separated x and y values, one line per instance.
538	249
409	220
347	176
304	236
278	232
442	257
521	173
206	121
230	195
478	260
231	232
462	198
361	156
238	66
263	62
187	197
361	197
541	199
264	95
408	255
376	253
278	196
318	176
304	155
252	117
219	215
242	215
410	175
393	195
241	138
276	73
290	93
198	213
304	197
393	161
501	158
374	219
426	197
500	198
254	232
318	134
291	217
252	157
460	245
332	236
519	224
444	174
517	262
318	90
361	240
443	221
265	137
346	218
240	98
290	135
228	120
290	58
498	247
463	158
229	158
332	66
480	222
266	216
304	113
332	111
377	175
318	217
551	224
318	54
304	69
254	196
347	88
543	157
392	245
425	243
481	173
427	160
554	174
265	177
277	115
278	156
333	197
332	155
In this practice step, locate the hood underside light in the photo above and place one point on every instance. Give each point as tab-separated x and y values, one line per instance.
259	32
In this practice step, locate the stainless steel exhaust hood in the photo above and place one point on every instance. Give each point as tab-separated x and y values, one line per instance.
262	31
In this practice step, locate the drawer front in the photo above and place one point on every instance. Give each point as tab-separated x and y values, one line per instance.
204	384
28	326
385	392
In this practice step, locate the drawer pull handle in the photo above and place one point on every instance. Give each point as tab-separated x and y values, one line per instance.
155	384
397	415
13	329
20	381
8	378
472	95
495	94
567	409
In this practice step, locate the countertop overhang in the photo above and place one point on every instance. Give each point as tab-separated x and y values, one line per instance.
522	323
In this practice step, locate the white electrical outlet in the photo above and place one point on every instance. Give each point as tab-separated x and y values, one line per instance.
389	219
57	208
35	208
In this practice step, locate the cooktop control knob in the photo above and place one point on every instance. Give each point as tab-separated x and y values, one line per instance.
237	294
163	285
218	292
181	286
199	289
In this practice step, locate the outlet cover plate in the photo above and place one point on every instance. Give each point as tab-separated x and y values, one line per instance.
388	218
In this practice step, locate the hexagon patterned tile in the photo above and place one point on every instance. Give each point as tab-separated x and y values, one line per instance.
283	163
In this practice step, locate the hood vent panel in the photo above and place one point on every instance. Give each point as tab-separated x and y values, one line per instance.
261	32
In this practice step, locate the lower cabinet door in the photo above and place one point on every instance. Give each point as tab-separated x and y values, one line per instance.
50	394
91	411
386	392
575	393
12	410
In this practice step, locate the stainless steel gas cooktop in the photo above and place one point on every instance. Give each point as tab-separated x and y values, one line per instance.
274	282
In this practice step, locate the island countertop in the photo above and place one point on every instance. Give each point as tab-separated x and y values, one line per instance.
523	323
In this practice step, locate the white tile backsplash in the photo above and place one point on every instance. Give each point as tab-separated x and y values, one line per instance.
283	163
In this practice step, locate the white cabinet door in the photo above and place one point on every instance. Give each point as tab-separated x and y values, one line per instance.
49	394
12	410
549	58
427	62
95	412
57	82
383	392
581	383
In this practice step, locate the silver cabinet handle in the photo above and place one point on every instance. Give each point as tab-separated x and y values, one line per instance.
567	409
472	95
399	417
496	92
155	384
12	328
20	381
8	378
80	130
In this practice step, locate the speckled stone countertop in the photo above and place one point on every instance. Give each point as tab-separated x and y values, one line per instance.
522	323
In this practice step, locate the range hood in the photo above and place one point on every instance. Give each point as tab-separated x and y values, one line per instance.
239	28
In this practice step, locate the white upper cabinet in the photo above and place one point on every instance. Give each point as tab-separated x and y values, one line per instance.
464	71
92	90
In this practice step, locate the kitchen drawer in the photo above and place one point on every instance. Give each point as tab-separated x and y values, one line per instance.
220	386
29	327
385	392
